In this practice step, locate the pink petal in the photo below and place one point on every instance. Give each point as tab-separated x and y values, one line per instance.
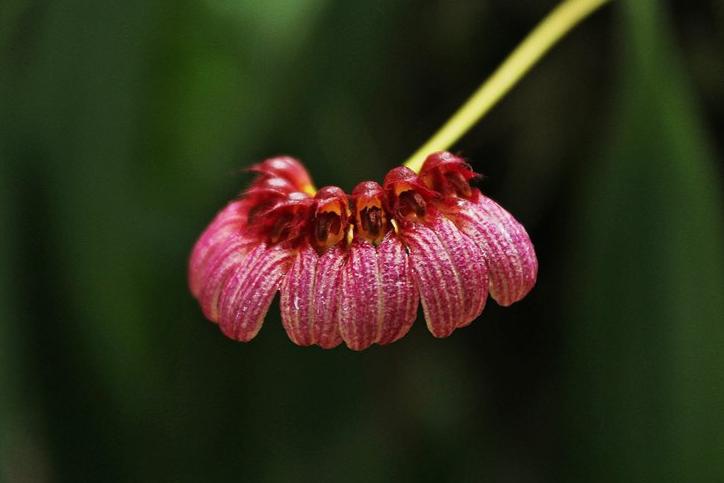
325	331
310	297
439	275
297	297
246	297
510	256
378	300
228	222
216	271
469	262
361	297
398	288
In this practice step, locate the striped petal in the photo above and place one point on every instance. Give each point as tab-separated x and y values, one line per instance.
310	297
325	331
249	291
297	297
227	224
378	300
439	278
361	297
398	288
510	256
469	263
217	270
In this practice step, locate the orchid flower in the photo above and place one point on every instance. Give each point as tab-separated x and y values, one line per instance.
354	268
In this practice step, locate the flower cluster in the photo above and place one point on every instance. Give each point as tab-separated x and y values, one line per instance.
354	268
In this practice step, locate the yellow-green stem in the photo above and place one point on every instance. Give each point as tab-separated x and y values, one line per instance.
559	22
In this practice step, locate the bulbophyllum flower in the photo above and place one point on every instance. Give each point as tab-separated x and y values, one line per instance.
354	268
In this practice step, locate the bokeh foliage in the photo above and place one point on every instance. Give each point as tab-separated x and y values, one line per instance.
125	125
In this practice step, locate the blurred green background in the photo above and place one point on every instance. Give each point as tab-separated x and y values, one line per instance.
124	126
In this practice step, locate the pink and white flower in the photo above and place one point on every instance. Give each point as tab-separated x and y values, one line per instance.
353	268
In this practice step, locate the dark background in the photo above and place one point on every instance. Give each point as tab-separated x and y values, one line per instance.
125	125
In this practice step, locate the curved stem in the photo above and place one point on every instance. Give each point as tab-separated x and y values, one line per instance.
559	22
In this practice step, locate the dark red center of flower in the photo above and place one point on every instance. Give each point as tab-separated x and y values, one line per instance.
285	220
325	223
282	209
330	218
411	205
370	219
407	197
448	175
